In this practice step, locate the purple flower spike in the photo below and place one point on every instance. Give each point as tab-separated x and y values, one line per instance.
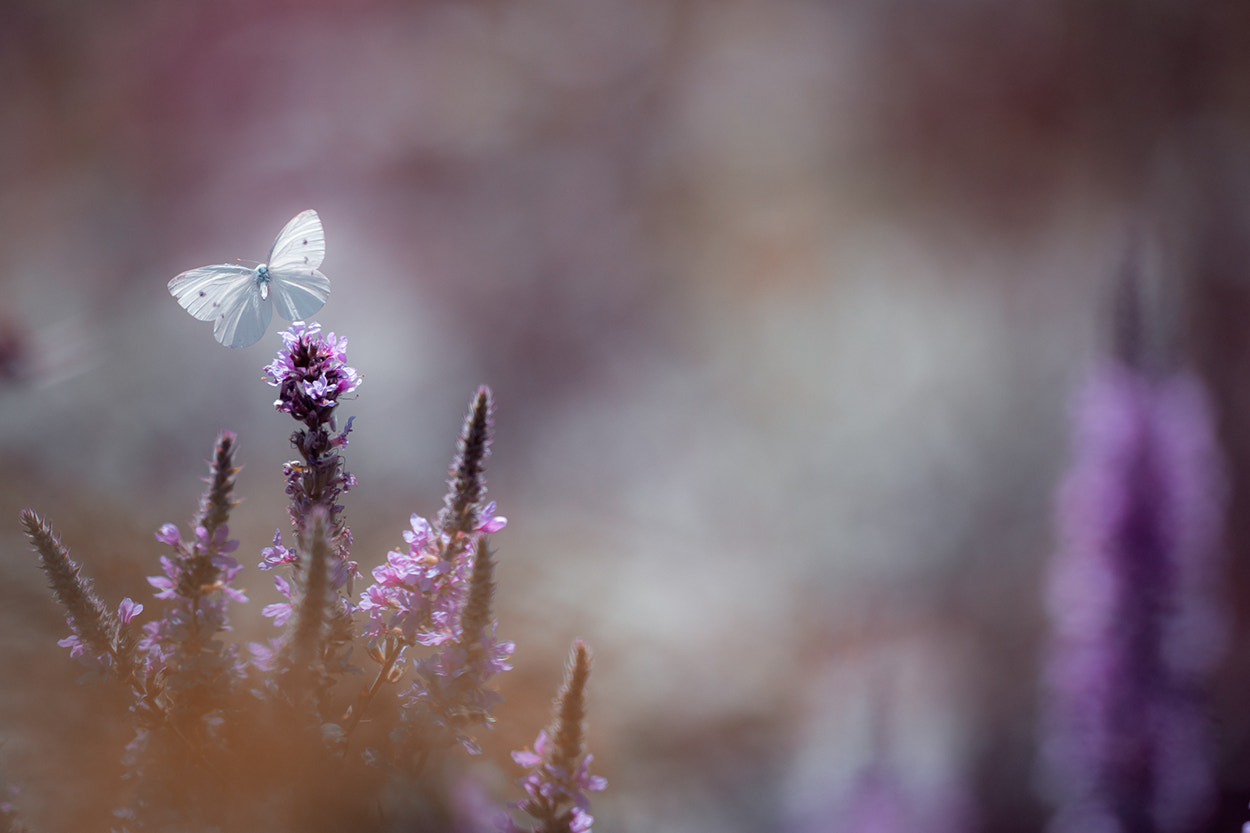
312	375
197	584
559	766
1132	608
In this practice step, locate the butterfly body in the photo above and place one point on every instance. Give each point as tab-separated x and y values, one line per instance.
240	300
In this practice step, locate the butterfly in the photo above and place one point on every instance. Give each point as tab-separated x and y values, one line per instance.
240	300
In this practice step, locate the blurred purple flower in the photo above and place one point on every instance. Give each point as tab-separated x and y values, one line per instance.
559	776
280	612
556	782
197	579
1135	620
127	610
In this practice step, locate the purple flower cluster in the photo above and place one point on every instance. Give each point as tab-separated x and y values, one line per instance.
437	594
271	733
197	580
417	595
555	784
421	598
1132	607
311	374
341	574
559	776
450	693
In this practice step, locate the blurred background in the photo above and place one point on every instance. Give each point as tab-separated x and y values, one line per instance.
783	302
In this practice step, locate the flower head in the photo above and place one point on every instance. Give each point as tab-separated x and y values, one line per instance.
311	374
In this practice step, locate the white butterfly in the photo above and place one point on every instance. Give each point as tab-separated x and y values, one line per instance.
237	299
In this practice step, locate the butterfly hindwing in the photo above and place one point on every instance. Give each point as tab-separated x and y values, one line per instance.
243	316
298	293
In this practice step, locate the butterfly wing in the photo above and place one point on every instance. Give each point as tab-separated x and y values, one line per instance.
298	293
243	315
228	295
201	291
302	241
297	287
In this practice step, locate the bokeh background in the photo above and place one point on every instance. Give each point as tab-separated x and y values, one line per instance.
783	303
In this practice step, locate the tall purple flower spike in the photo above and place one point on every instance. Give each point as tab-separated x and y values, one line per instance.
312	375
1131	604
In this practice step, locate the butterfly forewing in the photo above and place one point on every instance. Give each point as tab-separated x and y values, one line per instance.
200	291
297	288
302	242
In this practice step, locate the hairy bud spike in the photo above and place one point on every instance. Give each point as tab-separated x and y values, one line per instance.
96	628
477	613
312	613
217	502
468	481
568	725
